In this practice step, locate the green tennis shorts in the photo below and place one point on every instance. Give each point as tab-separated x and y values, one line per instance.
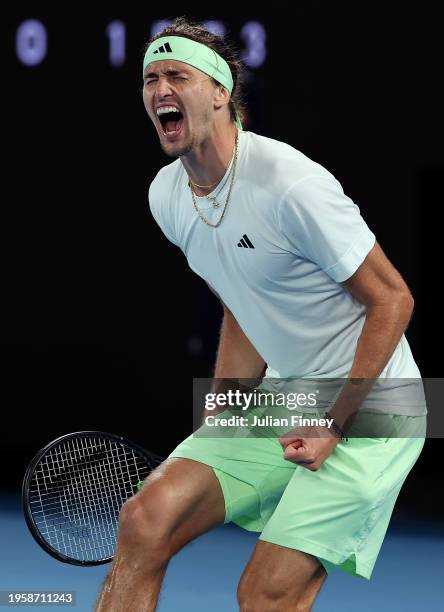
339	513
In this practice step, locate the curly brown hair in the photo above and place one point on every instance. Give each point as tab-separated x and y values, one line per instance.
182	26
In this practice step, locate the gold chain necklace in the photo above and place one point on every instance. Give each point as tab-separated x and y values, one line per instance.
233	173
203	186
213	199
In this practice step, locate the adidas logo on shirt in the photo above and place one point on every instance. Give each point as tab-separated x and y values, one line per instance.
164	49
245	242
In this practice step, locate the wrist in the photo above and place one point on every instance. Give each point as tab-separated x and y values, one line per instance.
335	427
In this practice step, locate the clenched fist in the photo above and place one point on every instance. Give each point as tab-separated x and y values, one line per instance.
309	446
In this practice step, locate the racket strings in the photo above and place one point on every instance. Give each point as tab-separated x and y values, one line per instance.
77	492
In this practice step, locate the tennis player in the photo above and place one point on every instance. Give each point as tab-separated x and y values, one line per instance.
306	292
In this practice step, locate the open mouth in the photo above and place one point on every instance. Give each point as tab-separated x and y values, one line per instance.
171	122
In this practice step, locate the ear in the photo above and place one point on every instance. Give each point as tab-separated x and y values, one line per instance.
221	97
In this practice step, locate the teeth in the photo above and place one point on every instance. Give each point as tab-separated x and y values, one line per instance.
167	109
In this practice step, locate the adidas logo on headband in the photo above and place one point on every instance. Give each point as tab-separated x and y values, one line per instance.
164	49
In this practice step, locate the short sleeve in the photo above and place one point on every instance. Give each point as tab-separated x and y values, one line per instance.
160	212
325	226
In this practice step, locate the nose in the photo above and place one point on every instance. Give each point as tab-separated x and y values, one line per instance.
163	88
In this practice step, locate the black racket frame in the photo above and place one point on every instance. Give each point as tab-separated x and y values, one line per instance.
149	456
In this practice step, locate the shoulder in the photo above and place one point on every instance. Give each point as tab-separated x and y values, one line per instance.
164	182
160	198
283	165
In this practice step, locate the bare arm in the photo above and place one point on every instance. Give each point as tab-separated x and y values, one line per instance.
380	287
236	359
236	356
389	306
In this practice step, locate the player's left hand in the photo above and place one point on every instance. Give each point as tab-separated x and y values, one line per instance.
309	446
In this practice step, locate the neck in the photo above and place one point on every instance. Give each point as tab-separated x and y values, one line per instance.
207	163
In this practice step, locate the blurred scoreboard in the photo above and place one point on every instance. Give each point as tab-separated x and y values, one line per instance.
33	37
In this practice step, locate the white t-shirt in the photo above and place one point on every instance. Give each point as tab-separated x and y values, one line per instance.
288	237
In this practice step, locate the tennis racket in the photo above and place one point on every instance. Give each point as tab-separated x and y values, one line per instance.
73	491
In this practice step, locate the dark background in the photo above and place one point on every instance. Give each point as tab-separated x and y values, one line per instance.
103	326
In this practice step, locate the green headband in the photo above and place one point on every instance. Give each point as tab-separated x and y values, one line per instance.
193	53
